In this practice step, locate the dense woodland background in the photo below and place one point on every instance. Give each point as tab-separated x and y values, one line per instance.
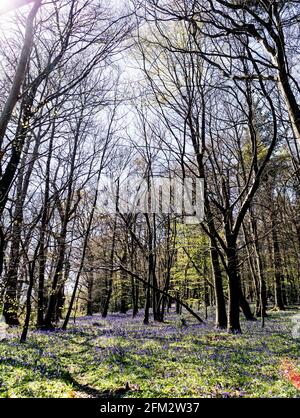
94	88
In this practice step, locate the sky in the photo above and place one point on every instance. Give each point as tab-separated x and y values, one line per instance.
6	5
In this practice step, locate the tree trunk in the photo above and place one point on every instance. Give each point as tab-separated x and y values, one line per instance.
245	307
279	305
233	324
148	300
220	316
111	272
28	303
89	310
20	72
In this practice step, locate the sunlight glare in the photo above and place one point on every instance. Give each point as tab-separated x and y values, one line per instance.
7	5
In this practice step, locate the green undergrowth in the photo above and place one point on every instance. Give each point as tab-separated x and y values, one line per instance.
96	357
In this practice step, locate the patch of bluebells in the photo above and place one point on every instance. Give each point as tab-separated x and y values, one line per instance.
167	359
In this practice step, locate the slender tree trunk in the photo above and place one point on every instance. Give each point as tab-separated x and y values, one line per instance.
111	273
43	251
135	298
123	280
279	305
50	314
286	90
90	287
28	303
20	72
134	285
261	311
148	300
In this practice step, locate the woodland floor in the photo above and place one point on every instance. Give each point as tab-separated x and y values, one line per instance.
179	358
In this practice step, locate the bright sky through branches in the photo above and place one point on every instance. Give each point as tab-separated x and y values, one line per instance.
7	5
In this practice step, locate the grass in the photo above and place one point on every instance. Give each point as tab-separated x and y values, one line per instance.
94	357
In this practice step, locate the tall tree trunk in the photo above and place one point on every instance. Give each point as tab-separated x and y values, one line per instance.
233	324
220	315
90	288
20	72
261	311
279	305
44	222
123	279
111	272
10	312
65	218
148	300
10	306
50	314
28	303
